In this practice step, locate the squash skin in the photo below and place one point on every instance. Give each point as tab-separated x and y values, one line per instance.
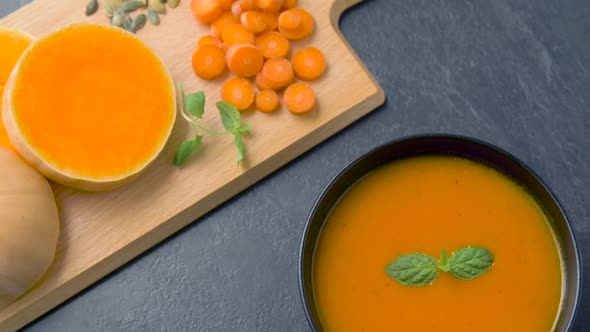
69	177
29	226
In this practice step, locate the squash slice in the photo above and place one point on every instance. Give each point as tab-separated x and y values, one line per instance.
12	43
89	106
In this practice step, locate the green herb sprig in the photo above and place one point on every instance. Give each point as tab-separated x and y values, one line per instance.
192	109
417	269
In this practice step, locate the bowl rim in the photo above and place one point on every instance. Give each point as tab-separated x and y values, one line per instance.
466	139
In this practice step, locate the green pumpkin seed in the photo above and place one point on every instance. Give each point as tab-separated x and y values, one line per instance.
130	6
138	23
157	6
172	3
91	7
127	22
153	17
117	20
111	6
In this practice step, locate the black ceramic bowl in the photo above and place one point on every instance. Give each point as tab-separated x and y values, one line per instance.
447	145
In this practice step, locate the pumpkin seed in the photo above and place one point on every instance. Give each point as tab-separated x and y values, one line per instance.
157	6
172	3
138	23
91	7
130	6
111	6
118	19
127	22
143	2
153	17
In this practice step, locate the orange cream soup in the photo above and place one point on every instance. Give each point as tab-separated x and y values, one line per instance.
424	204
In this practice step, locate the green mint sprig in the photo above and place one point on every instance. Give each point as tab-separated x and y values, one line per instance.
192	109
417	269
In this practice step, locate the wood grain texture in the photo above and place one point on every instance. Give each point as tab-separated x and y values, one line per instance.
102	231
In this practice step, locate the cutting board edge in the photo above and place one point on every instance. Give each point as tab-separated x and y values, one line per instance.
338	8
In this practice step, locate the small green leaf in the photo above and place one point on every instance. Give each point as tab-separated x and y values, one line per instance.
195	104
186	149
444	259
230	116
469	263
240	146
413	270
245	128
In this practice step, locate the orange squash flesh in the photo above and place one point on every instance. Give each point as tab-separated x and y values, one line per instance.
90	106
13	44
4	140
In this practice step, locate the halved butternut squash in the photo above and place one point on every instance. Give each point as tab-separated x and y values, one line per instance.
12	43
89	106
29	226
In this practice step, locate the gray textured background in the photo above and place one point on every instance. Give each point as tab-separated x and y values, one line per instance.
512	72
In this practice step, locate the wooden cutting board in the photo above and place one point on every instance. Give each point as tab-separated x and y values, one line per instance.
102	231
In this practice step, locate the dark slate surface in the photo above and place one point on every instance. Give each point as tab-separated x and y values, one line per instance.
512	72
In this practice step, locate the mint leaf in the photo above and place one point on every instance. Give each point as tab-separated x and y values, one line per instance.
444	259
230	116
469	263
240	146
413	270
186	149
416	269
195	104
245	128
